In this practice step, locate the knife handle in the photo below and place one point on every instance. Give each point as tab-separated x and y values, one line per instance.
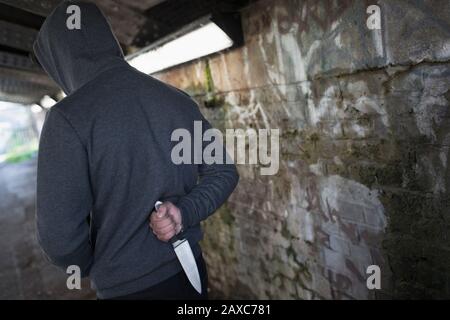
175	238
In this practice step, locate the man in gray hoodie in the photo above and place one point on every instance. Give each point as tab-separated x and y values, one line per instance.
105	159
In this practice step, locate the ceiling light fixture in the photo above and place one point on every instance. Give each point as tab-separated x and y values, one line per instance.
47	102
206	36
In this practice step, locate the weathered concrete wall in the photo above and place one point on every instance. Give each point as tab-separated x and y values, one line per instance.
365	134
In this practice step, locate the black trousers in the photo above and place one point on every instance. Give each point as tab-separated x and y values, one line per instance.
177	287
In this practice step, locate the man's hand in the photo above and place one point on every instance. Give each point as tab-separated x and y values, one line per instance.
166	222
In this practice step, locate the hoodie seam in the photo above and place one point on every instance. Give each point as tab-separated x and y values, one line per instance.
71	126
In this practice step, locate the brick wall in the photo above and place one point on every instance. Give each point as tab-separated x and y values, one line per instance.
364	142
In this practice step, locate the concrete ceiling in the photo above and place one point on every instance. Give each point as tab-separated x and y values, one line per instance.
136	23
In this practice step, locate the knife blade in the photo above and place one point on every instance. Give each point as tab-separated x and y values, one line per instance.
186	258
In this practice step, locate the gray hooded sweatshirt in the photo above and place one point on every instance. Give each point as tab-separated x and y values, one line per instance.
105	159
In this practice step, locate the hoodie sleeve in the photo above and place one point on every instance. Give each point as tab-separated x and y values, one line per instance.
64	197
215	185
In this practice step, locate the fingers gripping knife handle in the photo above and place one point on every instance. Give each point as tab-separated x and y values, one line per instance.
175	240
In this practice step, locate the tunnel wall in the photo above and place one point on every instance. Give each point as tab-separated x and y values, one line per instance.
364	144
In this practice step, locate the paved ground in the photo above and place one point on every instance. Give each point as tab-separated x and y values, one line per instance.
24	270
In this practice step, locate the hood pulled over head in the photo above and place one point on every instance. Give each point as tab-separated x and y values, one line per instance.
72	56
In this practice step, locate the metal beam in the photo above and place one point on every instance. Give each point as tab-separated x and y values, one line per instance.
24	86
16	36
17	61
143	5
38	78
40	7
126	21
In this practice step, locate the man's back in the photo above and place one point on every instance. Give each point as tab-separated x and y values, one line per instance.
105	159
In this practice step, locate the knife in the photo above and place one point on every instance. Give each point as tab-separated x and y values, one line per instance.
186	257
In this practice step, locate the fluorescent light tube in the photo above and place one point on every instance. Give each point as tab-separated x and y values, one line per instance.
35	108
47	102
198	43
